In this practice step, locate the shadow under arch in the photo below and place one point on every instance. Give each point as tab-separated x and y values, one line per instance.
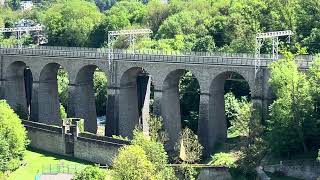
171	105
134	101
18	88
48	98
217	127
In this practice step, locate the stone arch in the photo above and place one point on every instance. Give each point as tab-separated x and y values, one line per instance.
48	100
217	127
134	100
82	99
170	105
18	86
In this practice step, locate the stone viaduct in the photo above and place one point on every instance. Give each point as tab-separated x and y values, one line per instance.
124	107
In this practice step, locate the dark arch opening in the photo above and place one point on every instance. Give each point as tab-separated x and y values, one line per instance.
100	87
90	98
180	88
18	89
225	82
134	101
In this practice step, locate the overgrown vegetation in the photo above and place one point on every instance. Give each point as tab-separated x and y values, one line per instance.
293	126
13	138
144	159
90	173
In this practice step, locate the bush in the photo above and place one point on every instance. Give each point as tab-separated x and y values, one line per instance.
189	147
156	129
13	138
90	173
224	160
155	154
132	163
63	113
2	176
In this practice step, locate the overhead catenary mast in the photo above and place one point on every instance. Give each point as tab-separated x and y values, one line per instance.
132	33
260	37
20	30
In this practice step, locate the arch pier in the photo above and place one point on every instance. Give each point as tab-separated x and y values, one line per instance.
129	80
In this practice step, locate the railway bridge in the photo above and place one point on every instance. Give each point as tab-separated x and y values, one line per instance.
130	76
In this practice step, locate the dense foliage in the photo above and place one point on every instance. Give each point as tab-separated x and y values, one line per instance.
189	147
238	114
144	159
13	138
69	23
90	172
293	125
199	25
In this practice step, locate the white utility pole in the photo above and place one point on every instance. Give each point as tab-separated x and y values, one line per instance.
260	37
132	36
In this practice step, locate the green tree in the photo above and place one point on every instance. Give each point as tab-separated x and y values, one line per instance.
100	92
189	90
69	23
123	14
155	154
132	163
188	147
90	173
292	110
238	113
13	138
63	86
156	130
62	111
156	13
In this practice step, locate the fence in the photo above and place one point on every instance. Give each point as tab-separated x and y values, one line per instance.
59	168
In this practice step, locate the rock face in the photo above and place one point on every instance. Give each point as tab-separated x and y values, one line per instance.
214	173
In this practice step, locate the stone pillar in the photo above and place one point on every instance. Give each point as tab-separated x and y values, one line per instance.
203	122
112	115
48	102
217	124
34	114
258	108
128	108
82	104
15	93
71	101
170	110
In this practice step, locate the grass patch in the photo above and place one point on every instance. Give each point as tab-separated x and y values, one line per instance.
35	160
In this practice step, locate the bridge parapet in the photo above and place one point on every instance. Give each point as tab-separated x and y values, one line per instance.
215	58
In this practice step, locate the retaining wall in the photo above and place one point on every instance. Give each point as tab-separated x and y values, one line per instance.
83	146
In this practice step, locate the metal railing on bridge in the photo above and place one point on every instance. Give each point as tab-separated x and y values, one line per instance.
216	58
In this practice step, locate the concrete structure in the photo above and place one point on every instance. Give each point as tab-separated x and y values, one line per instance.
126	107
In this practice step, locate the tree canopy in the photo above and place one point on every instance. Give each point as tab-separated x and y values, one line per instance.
13	138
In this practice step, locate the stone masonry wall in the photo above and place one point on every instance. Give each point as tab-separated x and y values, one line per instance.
46	139
87	147
96	151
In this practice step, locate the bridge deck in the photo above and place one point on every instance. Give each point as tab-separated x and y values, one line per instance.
232	59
